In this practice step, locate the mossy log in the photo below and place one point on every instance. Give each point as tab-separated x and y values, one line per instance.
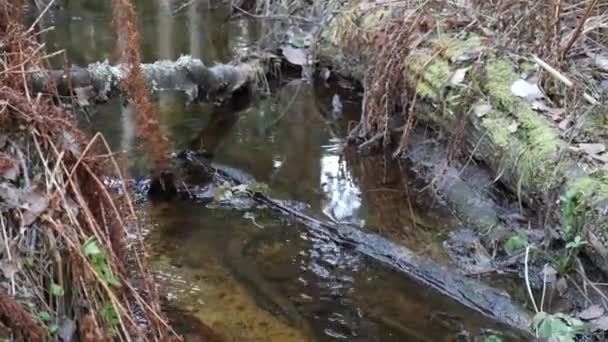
521	146
99	81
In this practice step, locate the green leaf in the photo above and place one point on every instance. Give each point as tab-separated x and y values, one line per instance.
108	312
557	327
492	338
44	316
516	243
576	243
298	42
53	329
111	280
91	248
57	290
108	277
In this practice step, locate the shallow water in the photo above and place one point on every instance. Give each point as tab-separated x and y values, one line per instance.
250	275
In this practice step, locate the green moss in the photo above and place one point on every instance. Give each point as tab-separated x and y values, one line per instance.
536	161
495	127
375	18
590	189
435	75
455	47
595	127
579	208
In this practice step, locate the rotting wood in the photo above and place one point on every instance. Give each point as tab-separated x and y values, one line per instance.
100	81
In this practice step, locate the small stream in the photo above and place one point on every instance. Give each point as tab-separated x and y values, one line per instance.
210	262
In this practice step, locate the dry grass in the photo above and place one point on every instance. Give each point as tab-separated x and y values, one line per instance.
63	233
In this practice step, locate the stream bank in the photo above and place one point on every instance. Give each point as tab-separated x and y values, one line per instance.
294	159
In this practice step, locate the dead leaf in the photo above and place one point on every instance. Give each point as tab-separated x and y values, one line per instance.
34	204
556	113
540	105
458	76
10	195
592	312
67	330
601	157
565	124
482	109
70	143
600	323
601	61
524	89
561	285
294	55
550	273
82	96
9	168
10	267
592	149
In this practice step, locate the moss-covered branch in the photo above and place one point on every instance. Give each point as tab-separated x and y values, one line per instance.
522	147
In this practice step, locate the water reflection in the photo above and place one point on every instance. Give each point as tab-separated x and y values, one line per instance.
242	273
342	197
287	142
168	28
307	280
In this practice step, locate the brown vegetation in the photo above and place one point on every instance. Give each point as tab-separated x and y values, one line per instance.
63	244
126	25
560	32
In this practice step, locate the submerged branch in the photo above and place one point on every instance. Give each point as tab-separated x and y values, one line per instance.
469	292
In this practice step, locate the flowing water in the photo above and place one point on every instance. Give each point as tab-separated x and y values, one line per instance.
248	274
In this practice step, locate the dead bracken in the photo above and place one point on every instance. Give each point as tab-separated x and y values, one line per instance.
63	242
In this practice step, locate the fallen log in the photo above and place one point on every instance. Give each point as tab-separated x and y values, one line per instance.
471	293
99	81
522	147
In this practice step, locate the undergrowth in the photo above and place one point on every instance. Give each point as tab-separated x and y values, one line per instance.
66	265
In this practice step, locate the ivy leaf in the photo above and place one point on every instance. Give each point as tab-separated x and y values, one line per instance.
516	243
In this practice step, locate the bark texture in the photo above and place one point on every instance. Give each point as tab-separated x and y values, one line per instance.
99	81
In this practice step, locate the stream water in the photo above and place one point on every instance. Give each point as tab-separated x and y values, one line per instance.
248	274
